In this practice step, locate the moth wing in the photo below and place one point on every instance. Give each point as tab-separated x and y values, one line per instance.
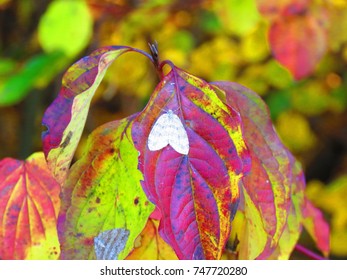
109	244
158	137
177	136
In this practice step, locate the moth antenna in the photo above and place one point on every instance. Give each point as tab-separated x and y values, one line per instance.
153	47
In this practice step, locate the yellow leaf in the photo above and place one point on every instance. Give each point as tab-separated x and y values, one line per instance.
150	246
254	46
303	139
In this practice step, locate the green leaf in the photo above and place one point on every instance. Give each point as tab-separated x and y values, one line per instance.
37	72
278	102
103	192
210	22
238	17
6	66
66	26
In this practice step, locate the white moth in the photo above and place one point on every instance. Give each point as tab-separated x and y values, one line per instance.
168	130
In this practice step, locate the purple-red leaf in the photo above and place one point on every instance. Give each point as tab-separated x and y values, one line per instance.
198	192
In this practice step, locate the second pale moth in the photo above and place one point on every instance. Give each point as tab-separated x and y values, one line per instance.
168	130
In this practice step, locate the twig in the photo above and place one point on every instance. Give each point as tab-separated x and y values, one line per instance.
308	253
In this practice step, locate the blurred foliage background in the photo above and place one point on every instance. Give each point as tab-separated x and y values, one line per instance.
214	40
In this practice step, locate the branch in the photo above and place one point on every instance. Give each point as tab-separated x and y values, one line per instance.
308	253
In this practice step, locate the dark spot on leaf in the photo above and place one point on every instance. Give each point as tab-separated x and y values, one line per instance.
232	245
136	200
209	196
67	140
146	203
97	200
89	241
111	151
45	131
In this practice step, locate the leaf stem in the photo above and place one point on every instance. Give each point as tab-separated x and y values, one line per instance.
308	252
143	53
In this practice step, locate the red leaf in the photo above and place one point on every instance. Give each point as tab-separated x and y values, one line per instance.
298	42
270	161
271	185
197	193
317	227
29	205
